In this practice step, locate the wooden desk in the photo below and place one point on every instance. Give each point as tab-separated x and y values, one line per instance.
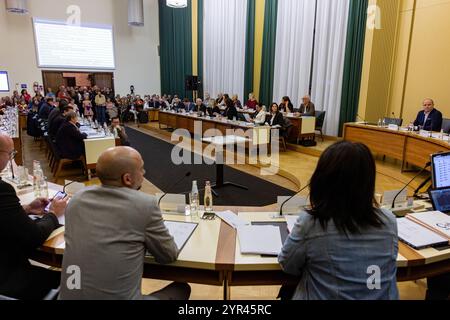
212	255
408	147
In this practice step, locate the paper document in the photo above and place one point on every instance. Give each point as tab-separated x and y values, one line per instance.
180	231
291	221
416	235
231	219
436	221
264	240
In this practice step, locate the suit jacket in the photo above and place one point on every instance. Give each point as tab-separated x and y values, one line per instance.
109	239
310	110
45	110
70	141
55	124
433	123
231	113
277	121
19	238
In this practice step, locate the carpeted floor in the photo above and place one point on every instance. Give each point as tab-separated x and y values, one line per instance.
163	173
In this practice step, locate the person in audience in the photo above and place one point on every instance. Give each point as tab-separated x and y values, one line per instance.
177	104
307	108
344	233
119	132
57	118
251	102
25	96
276	118
220	99
46	108
260	118
164	104
429	119
155	102
231	112
188	106
117	231
286	105
100	107
199	106
63	94
206	97
69	139
213	109
21	236
16	98
236	102
111	109
87	106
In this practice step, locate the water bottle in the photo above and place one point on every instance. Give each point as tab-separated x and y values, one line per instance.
194	199
44	187
208	200
379	122
383	124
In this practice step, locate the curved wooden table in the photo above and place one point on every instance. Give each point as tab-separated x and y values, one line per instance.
408	147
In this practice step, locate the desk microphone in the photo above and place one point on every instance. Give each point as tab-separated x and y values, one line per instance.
12	170
287	200
65	186
406	186
361	118
188	174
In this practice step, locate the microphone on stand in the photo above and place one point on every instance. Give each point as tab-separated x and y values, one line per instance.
407	185
188	174
13	177
287	200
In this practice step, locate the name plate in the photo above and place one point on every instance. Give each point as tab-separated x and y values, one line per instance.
393	127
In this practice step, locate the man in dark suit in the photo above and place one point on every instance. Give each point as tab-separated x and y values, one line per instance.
46	108
430	119
307	108
20	237
69	139
57	118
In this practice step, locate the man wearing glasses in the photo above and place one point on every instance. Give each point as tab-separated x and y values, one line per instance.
20	236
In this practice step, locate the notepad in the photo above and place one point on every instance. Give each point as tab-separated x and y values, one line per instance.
264	240
181	232
418	236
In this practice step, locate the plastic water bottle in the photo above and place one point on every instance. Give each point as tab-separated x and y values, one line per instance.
208	200
383	124
194	199
379	122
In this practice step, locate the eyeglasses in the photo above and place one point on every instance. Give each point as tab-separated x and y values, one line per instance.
11	154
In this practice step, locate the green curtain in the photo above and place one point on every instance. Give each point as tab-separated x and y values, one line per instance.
249	50
354	56
200	46
268	52
175	33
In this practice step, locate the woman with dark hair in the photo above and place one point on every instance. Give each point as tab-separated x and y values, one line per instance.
276	118
286	105
344	246
231	112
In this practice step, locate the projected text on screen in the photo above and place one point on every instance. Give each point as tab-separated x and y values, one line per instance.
74	47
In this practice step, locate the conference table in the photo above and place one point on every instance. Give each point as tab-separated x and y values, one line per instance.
302	127
212	254
408	147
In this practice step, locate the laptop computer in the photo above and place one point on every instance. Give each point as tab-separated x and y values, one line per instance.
440	173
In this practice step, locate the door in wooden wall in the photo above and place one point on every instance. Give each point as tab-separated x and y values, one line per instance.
103	80
53	79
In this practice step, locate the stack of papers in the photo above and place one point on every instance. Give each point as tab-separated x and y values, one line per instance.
263	240
231	219
435	221
418	236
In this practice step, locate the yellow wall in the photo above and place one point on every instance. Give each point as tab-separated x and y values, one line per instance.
259	30
419	62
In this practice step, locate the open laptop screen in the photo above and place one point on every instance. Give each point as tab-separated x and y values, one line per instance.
440	164
441	200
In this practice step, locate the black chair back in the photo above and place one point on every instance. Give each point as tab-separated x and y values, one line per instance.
320	119
446	125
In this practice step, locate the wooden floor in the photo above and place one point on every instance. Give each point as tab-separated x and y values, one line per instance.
296	167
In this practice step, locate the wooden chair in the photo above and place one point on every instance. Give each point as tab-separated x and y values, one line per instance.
320	120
